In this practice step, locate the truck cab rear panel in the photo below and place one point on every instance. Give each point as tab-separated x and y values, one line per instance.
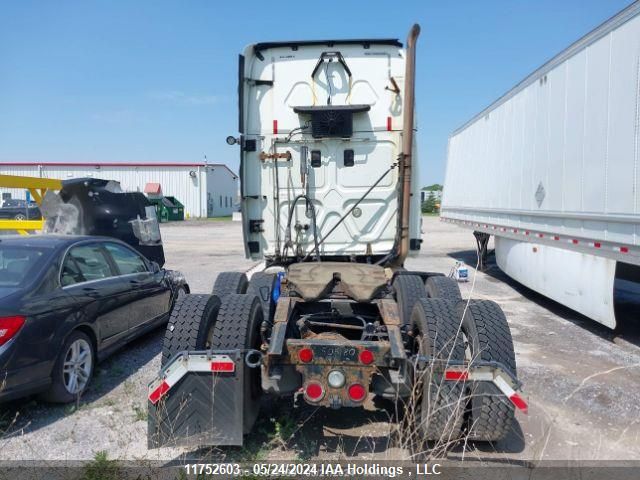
325	120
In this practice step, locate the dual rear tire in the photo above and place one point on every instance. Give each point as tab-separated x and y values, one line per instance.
226	320
454	329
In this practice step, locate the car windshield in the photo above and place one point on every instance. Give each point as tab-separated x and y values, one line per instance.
17	263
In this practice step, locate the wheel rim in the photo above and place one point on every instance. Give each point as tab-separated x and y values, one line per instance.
76	369
20	217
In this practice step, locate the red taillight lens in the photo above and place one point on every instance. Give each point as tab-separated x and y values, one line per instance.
305	355
357	392
314	391
366	357
9	326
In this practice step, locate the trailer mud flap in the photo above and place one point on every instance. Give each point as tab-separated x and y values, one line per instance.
197	400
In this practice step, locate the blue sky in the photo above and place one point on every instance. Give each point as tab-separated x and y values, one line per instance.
112	81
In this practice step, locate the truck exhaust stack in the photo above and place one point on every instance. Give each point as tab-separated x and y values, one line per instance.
407	144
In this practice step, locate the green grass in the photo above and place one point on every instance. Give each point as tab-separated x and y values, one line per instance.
101	468
140	413
220	219
433	214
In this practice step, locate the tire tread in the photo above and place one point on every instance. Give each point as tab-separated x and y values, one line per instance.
443	287
230	282
190	319
409	289
491	414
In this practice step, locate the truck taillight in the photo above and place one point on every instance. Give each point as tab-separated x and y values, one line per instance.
366	357
357	392
9	326
305	355
314	391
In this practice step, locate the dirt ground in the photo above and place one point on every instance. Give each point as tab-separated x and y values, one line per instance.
582	380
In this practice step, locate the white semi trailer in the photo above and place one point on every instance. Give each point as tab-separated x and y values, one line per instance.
552	170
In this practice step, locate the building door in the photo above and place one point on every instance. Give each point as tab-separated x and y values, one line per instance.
209	205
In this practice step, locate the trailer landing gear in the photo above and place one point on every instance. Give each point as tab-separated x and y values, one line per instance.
482	239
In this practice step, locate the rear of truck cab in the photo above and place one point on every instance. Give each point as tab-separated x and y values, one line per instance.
324	120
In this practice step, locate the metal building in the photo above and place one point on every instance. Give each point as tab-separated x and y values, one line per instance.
205	189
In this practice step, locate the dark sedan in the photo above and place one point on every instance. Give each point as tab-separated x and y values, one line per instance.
67	302
19	210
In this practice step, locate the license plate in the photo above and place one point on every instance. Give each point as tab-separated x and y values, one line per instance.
337	353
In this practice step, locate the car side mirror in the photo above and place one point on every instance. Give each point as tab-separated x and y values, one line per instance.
155	268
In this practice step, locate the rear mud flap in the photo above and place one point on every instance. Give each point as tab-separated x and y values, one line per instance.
201	408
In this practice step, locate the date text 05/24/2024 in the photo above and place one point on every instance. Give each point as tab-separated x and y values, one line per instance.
312	469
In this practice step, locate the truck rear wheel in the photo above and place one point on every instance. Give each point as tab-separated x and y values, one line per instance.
238	327
190	326
439	405
488	338
409	289
261	285
443	287
230	282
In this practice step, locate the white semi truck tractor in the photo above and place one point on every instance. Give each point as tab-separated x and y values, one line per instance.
330	204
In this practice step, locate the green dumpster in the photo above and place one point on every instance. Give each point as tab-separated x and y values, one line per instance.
168	209
161	212
175	209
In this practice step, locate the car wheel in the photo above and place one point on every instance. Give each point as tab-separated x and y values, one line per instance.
73	369
20	216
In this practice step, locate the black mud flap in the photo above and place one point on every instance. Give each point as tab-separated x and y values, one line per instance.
201	409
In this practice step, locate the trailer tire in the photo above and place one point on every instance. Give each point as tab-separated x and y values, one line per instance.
439	407
230	282
443	287
409	289
238	327
490	414
190	325
261	285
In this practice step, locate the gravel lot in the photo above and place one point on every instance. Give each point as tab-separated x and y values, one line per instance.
582	380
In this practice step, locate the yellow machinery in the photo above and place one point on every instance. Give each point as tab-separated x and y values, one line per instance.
38	187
